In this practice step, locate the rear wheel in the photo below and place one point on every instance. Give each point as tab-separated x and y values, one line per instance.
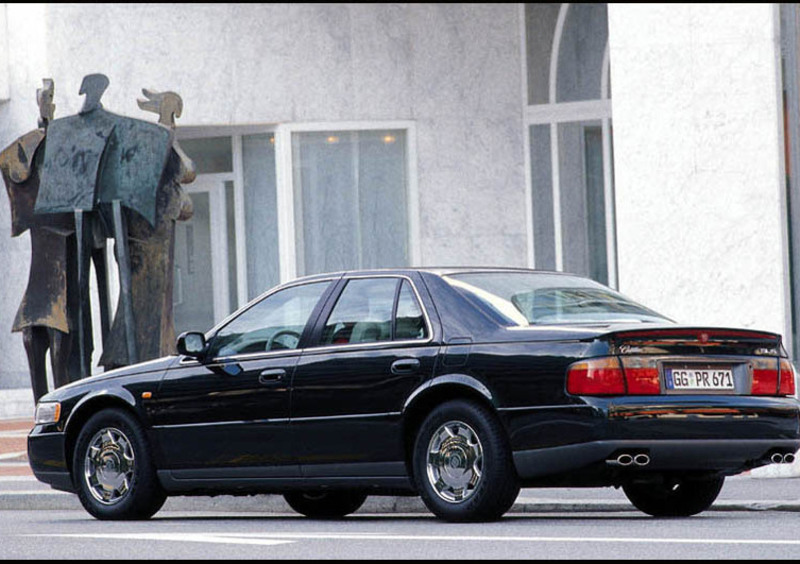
462	463
674	497
325	505
113	469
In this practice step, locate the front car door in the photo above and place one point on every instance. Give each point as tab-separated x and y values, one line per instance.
371	348
228	416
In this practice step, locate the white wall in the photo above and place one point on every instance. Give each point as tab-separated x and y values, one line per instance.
698	155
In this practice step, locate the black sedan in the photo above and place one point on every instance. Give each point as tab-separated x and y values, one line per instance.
457	385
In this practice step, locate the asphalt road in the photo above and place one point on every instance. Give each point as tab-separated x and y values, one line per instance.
577	535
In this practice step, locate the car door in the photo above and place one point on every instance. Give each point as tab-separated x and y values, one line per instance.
228	416
371	348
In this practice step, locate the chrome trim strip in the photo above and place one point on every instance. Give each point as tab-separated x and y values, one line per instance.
187	360
221	423
544	407
280	420
340	417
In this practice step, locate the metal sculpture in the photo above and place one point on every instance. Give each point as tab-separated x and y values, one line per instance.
75	182
151	250
95	163
47	312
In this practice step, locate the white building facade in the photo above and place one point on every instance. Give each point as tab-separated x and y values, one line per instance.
646	146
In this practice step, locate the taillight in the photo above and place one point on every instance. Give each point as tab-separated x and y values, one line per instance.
787	379
641	374
596	377
771	378
609	377
765	377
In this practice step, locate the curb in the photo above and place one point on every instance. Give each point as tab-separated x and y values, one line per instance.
275	504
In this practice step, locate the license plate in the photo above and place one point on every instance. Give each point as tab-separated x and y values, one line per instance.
714	379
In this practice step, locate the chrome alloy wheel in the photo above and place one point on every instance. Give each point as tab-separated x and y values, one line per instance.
109	466
455	462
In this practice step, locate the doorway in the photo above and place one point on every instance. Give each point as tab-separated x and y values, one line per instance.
205	289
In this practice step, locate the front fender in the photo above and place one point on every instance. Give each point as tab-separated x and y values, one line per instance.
106	397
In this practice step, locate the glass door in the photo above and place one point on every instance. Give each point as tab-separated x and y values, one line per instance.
205	258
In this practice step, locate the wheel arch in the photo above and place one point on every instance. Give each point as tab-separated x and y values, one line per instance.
86	408
434	393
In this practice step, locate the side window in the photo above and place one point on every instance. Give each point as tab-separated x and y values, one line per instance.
363	313
409	322
275	323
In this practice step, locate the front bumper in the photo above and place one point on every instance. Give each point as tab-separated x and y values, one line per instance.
46	455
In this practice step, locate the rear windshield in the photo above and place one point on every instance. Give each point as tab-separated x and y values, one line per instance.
528	298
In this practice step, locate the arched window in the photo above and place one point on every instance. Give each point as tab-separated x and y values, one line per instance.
568	116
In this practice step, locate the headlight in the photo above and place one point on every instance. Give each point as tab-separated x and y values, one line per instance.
47	413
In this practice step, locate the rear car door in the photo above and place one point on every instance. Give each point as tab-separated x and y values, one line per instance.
371	348
228	416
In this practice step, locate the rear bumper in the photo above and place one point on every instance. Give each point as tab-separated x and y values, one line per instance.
722	434
726	457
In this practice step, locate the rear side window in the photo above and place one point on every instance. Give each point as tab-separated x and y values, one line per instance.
363	313
372	310
410	321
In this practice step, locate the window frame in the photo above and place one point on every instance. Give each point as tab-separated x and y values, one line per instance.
554	114
314	345
285	189
284	165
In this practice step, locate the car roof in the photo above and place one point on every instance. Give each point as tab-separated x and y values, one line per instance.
438	270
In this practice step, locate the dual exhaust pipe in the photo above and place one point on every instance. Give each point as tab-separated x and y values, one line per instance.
780	458
626	460
641	460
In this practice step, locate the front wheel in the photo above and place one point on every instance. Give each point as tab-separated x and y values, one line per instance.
325	505
462	463
674	497
113	469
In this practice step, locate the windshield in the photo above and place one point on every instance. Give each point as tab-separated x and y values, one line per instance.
531	298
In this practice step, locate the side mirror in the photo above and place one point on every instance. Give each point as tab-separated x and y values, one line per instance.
192	343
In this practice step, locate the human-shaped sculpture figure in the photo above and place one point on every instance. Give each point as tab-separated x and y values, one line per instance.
46	314
104	168
151	250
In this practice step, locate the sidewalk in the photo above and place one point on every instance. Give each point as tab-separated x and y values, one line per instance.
19	490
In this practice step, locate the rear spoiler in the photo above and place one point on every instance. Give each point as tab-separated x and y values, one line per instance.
699	335
691	340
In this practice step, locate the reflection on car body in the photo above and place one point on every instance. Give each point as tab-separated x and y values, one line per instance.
458	385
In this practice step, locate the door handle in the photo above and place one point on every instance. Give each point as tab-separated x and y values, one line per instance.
405	366
274	376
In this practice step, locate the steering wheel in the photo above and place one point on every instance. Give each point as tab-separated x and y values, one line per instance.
274	339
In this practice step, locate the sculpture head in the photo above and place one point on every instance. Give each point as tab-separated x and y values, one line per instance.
93	85
44	98
168	105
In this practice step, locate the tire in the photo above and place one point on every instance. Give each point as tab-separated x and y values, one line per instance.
674	498
462	463
113	468
325	505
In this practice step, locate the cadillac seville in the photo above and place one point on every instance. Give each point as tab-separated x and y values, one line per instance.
459	385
